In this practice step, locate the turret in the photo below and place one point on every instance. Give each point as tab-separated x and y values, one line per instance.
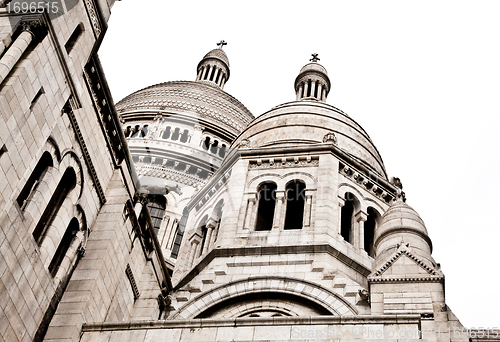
312	81
214	67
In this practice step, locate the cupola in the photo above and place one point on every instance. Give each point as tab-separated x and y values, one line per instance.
214	67
401	225
312	83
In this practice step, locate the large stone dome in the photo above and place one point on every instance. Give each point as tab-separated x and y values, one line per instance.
197	99
307	122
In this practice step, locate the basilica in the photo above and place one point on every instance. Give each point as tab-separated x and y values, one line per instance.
176	214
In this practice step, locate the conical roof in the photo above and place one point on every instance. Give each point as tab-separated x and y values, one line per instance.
217	54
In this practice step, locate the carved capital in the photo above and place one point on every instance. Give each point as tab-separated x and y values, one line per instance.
361	216
35	26
141	198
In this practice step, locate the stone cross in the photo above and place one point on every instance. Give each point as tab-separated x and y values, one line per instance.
315	57
221	44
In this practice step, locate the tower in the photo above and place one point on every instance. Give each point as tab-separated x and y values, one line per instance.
178	134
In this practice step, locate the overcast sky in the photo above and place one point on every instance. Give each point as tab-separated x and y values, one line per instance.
421	77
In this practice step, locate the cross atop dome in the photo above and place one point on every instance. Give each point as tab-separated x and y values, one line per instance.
315	57
221	44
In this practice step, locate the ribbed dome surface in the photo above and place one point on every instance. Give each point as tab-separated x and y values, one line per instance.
307	122
192	98
398	217
313	67
218	54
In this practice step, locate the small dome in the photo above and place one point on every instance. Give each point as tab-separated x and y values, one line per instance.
312	83
313	67
402	223
213	69
218	54
307	122
400	216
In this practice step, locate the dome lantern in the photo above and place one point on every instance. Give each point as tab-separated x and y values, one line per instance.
214	67
312	81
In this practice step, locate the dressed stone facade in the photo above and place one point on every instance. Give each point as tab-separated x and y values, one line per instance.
178	216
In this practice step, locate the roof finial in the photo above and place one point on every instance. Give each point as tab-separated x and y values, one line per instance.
221	44
315	57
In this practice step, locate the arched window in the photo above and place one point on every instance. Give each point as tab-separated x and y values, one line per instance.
144	131
156	207
62	249
35	178
184	136
295	198
346	218
166	134
203	227
66	184
206	143
127	131
369	231
73	38
175	135
215	219
214	147
222	151
136	132
179	234
267	202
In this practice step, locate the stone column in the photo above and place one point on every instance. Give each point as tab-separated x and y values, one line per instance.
215	230
17	48
278	210
306	86
249	214
319	91
341	205
217	70
208	237
359	235
209	71
299	92
192	253
323	95
307	211
313	87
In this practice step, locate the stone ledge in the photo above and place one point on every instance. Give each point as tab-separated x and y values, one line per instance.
240	322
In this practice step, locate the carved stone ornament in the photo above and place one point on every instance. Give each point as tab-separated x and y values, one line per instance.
330	138
245	143
396	182
35	26
364	295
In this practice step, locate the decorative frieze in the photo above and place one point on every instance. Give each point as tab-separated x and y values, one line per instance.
94	18
68	110
216	186
278	163
132	281
170	174
368	182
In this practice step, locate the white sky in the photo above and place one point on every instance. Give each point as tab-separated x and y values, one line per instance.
422	78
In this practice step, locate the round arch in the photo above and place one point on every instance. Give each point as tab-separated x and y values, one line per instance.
321	296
